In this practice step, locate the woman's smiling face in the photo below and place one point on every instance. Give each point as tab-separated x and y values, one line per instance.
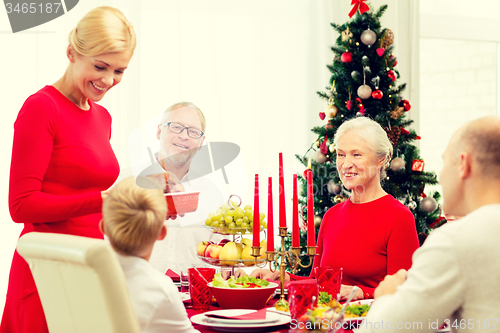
357	164
95	76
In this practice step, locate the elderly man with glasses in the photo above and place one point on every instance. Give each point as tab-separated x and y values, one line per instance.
181	133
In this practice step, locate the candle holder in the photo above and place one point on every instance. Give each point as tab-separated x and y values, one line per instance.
285	258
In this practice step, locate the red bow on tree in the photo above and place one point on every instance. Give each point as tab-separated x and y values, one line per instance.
358	5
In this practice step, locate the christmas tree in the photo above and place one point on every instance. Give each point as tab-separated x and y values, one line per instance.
363	83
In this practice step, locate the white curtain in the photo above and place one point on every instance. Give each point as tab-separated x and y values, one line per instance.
253	67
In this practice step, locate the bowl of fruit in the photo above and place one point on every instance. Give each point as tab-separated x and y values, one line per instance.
242	293
230	253
231	219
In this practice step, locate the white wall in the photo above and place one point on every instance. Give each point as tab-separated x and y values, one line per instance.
253	67
459	71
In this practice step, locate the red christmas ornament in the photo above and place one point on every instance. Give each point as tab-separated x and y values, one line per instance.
404	131
406	104
394	60
323	148
346	57
348	105
418	165
322	115
377	94
391	75
360	106
418	137
380	51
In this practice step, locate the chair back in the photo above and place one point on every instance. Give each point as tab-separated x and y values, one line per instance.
80	282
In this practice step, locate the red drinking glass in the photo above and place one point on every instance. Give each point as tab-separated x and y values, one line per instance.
329	279
302	295
200	293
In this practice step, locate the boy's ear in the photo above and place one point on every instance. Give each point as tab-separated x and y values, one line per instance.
163	232
101	226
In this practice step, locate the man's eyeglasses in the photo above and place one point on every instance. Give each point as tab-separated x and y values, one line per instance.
178	128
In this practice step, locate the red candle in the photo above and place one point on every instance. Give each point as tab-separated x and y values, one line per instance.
295	218
282	194
256	215
270	226
310	208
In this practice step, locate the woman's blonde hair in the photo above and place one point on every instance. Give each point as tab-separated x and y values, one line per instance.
133	216
374	135
103	30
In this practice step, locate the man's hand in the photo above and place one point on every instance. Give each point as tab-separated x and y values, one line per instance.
237	273
389	284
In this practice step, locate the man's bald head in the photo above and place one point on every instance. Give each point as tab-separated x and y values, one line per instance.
481	139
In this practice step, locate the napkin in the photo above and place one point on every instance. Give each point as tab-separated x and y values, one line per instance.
173	275
259	314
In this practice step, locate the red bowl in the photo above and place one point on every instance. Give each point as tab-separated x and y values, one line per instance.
181	202
243	298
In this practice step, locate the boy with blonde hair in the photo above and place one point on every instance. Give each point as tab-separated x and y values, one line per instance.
133	219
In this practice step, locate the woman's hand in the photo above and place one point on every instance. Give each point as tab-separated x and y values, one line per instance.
265	274
345	290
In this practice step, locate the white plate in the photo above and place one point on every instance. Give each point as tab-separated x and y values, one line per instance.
201	319
361	302
268	319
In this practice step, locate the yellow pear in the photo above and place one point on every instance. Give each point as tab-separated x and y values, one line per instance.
246	254
229	254
246	242
263	249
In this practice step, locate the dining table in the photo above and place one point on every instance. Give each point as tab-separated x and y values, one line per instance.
286	328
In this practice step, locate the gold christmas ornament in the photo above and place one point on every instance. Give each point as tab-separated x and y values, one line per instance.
317	220
339	199
332	89
397	112
387	39
346	35
331	110
331	147
316	144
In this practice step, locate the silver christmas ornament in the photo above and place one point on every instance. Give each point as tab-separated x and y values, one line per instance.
334	188
428	204
364	91
368	37
320	158
397	164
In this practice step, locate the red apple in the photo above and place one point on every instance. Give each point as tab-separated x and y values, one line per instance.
223	242
202	246
213	251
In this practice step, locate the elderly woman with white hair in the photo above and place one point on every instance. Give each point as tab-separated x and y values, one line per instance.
371	234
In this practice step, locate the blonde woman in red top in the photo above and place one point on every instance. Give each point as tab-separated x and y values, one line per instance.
62	161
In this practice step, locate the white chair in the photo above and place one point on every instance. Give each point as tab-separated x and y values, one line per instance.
80	282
